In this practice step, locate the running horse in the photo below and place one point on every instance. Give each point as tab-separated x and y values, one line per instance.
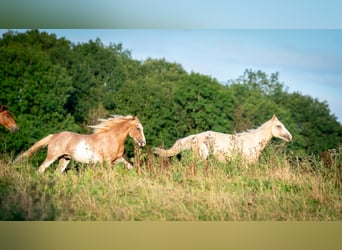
248	145
106	144
7	120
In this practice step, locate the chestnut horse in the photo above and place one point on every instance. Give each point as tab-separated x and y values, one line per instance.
249	145
7	120
106	144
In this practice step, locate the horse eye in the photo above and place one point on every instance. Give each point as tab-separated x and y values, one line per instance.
278	126
138	128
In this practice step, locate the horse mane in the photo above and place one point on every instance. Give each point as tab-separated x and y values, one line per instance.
261	127
3	108
107	124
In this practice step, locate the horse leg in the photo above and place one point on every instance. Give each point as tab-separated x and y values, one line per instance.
203	151
220	157
63	163
204	155
124	162
48	161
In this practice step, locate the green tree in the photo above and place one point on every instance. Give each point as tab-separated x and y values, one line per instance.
257	96
52	85
149	94
34	88
98	72
317	129
202	104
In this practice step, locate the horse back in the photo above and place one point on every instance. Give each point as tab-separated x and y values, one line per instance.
67	139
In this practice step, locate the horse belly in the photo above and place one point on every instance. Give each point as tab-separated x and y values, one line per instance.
84	153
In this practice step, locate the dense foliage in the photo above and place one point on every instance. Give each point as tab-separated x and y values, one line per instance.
51	85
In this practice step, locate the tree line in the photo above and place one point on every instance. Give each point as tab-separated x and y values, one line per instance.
51	84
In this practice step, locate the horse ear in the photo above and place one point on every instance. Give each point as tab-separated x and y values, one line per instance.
274	117
3	108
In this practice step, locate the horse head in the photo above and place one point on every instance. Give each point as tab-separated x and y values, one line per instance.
7	120
136	131
279	130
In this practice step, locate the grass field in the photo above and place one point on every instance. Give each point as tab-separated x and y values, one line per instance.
279	187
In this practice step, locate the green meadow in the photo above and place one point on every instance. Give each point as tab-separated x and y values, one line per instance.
280	187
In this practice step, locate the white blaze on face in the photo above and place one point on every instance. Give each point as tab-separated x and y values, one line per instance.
142	131
84	154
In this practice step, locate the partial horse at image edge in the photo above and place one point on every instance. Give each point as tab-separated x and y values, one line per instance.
7	120
248	145
106	144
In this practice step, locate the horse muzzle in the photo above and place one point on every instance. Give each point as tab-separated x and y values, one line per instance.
287	137
14	129
141	143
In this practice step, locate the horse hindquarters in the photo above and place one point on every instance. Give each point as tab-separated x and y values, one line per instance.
57	149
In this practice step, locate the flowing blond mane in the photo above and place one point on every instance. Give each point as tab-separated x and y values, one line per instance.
107	124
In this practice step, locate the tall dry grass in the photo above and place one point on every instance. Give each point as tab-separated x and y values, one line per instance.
279	187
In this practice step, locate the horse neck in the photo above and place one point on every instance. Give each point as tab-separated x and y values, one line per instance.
120	131
264	135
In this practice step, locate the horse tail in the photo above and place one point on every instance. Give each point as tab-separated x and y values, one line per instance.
180	145
39	144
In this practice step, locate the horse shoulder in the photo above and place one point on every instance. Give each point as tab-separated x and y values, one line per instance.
107	142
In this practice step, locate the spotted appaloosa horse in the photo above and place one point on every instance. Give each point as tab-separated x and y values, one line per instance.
7	120
106	144
249	145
